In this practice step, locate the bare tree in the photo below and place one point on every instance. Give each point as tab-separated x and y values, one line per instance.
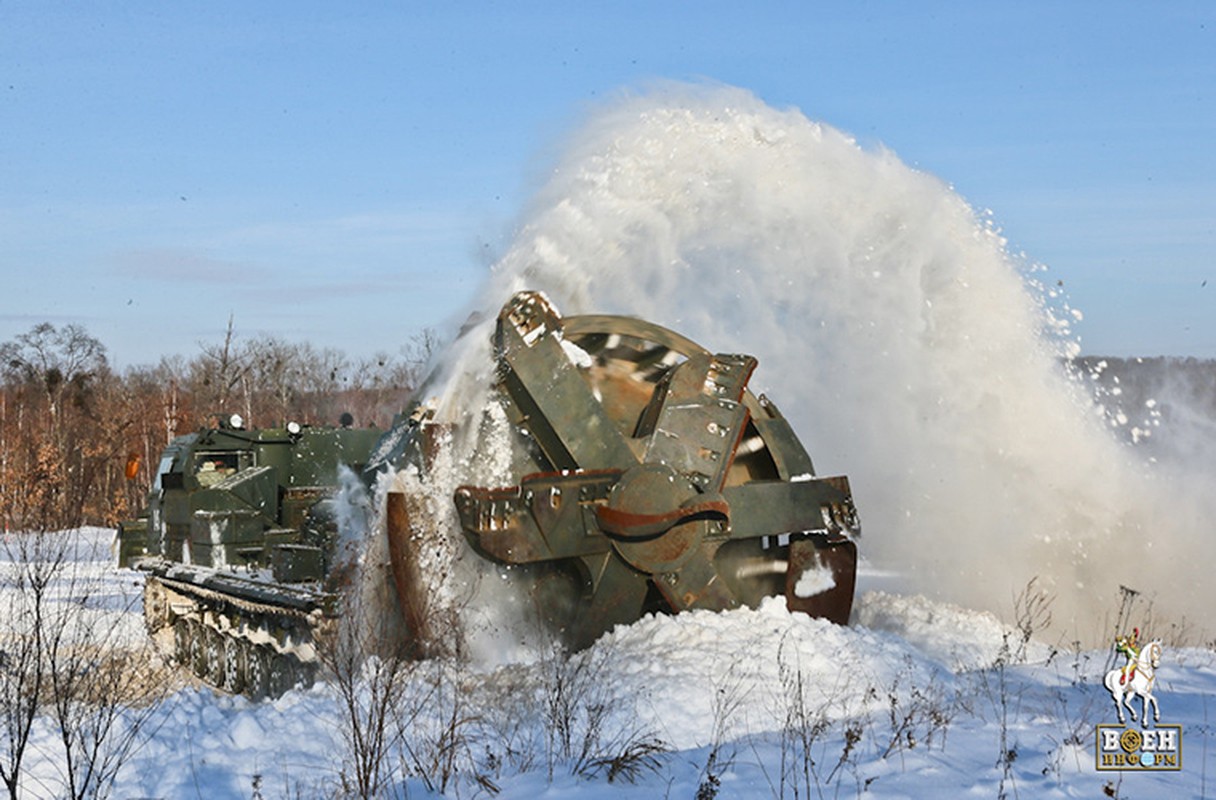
51	374
218	372
65	659
370	671
103	690
32	562
58	360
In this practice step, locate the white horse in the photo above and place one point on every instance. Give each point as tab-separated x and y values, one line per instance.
1141	683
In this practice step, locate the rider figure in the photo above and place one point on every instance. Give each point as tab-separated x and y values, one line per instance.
1128	647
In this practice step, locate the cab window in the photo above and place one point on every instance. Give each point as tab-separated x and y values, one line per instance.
211	468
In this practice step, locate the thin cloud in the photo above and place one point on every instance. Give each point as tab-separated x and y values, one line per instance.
335	233
35	319
178	265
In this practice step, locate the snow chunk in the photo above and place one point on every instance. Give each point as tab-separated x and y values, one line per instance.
577	355
814	580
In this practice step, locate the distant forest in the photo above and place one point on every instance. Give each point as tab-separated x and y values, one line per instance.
79	440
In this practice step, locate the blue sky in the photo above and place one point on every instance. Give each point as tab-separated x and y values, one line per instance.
344	173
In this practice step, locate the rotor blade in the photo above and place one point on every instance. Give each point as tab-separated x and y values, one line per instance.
696	417
788	454
767	508
557	406
546	517
696	585
618	595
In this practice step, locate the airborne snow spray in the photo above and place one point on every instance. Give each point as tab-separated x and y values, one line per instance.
909	349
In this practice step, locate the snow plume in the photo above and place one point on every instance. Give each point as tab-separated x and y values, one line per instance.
1167	406
352	509
910	350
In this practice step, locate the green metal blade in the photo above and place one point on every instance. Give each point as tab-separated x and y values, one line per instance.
557	406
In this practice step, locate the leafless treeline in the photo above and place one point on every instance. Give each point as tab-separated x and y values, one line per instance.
78	439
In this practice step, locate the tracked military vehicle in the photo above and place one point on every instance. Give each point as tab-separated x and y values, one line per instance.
644	476
239	543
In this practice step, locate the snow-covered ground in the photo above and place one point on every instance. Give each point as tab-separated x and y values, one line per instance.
915	699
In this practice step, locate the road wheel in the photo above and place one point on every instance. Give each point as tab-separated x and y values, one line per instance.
284	674
234	666
257	670
181	641
214	668
198	649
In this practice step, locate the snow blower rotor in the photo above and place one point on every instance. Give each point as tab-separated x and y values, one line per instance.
649	479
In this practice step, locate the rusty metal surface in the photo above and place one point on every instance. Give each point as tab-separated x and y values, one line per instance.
407	574
839	559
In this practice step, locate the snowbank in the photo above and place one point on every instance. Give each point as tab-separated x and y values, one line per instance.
916	699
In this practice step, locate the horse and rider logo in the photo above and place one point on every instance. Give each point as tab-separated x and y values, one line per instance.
1119	747
1137	677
